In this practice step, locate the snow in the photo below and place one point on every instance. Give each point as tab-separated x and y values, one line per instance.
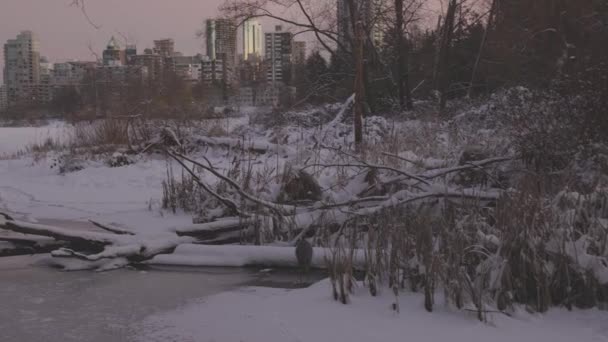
241	256
255	314
128	197
16	139
121	195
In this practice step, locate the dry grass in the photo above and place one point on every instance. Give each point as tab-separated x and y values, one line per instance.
180	193
99	133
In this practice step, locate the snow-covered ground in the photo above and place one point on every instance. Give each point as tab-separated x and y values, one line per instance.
129	195
310	315
126	195
36	190
32	188
16	139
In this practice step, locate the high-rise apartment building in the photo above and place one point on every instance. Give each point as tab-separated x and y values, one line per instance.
221	40
278	55
71	74
113	55
298	54
130	53
189	68
154	63
252	40
165	47
21	68
3	98
221	46
212	70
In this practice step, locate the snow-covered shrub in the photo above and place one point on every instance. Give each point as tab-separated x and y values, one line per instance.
67	162
299	186
488	253
119	159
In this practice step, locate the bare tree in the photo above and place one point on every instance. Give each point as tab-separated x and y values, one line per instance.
481	46
405	96
359	74
447	35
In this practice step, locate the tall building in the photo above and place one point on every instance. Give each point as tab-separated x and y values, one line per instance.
298	55
278	55
212	70
130	53
189	68
221	40
113	55
252	40
221	47
116	76
154	63
42	92
21	68
165	47
3	98
70	74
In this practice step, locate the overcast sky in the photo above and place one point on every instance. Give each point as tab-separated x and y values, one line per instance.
64	32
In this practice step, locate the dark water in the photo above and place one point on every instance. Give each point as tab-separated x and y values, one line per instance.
38	303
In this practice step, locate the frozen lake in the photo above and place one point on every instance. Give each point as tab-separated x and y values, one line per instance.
44	304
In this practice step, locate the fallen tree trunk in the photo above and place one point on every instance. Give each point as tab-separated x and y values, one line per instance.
94	249
111	229
26	247
247	256
212	229
260	147
86	239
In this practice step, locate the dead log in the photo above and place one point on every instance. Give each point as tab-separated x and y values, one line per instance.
20	244
251	146
136	252
99	249
212	230
247	256
7	217
110	229
17	249
84	240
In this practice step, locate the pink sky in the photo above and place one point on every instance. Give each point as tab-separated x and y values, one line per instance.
64	33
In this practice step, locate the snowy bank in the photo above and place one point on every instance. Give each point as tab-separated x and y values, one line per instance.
16	139
310	315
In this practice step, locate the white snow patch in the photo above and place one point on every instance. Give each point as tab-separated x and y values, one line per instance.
15	139
262	314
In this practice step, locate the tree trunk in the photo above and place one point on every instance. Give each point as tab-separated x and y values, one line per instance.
444	57
481	46
399	48
359	85
405	96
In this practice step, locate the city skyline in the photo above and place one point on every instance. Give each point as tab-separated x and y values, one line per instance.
65	34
